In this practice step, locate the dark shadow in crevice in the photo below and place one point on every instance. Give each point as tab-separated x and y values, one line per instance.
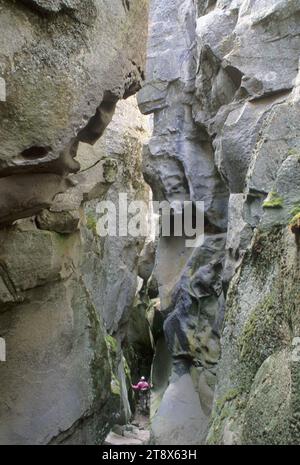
126	4
235	75
99	122
35	152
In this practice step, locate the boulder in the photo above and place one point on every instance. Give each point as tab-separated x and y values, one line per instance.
179	417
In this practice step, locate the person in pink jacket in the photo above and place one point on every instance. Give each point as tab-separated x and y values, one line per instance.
143	388
142	385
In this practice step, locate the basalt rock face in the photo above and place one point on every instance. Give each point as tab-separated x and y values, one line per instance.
222	84
257	397
65	293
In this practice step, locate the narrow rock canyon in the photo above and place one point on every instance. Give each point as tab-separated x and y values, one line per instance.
174	101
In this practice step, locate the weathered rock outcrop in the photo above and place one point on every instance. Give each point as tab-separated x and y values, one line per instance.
63	78
65	293
222	84
257	397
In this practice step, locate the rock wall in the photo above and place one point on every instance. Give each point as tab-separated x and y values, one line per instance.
65	293
222	84
179	165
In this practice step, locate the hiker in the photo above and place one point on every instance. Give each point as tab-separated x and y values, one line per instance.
143	388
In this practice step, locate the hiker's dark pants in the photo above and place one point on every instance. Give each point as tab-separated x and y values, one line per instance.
144	399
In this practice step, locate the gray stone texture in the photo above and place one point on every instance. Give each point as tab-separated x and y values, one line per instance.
222	81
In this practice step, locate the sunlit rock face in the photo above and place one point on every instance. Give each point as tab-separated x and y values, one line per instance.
222	84
72	136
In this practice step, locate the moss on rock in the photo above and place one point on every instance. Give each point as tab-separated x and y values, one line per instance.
262	335
226	410
273	201
268	409
91	222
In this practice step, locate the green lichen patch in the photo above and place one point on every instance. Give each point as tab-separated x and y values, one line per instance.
226	409
273	201
91	222
228	396
264	333
261	316
267	415
126	368
114	355
100	365
115	385
293	153
295	210
112	344
266	251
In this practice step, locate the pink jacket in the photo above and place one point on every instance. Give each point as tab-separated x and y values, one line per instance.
141	386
